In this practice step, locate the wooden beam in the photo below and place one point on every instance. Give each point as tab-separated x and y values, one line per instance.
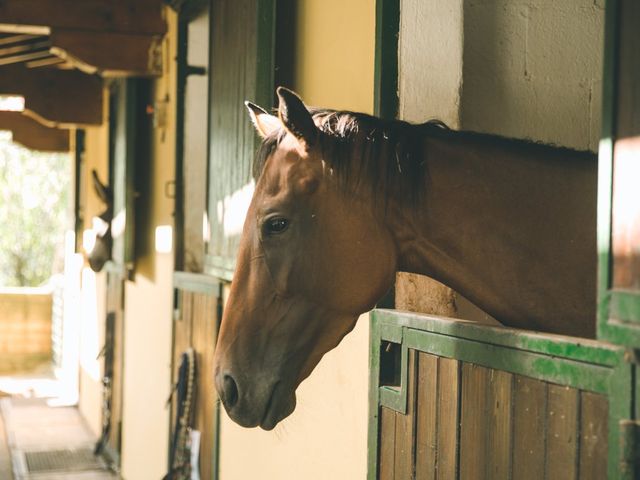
12	39
24	57
109	54
34	135
45	62
25	47
124	16
56	97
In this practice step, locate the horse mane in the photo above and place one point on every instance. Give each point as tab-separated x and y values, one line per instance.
388	154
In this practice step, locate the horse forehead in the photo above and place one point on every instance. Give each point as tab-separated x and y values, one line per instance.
284	166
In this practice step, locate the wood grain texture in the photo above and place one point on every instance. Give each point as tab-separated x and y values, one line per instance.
474	422
448	418
196	327
499	441
562	427
529	426
405	426
387	444
115	304
594	412
426	423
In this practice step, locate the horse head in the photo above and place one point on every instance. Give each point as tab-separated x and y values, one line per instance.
101	251
312	258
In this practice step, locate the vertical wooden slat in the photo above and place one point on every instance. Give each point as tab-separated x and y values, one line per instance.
562	427
499	442
115	293
405	427
426	427
594	413
203	337
529	420
447	418
387	443
474	422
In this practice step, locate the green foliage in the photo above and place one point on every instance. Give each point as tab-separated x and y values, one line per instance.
34	213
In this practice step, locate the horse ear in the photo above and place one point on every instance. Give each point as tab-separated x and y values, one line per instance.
265	123
103	192
296	118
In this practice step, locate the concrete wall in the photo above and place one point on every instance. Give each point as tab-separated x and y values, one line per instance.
149	304
326	437
533	69
25	328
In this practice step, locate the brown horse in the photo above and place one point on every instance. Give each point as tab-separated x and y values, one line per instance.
101	251
344	200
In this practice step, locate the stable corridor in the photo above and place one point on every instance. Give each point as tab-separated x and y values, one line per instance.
43	436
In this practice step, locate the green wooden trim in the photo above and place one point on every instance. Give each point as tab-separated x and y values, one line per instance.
567	347
265	54
395	398
620	409
374	398
625	306
386	58
585	376
196	282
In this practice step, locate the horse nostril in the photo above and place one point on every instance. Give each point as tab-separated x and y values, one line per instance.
230	391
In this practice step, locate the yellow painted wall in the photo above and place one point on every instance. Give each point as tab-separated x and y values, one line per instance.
326	437
149	304
93	293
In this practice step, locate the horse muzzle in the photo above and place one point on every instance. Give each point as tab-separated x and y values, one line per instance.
262	403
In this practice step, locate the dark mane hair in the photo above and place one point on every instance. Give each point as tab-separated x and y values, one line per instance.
386	154
362	148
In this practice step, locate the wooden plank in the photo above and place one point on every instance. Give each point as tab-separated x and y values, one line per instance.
109	54
562	428
594	413
25	57
25	47
474	422
529	426
405	426
426	426
135	16
13	39
448	433
387	442
204	337
56	97
499	442
115	296
33	135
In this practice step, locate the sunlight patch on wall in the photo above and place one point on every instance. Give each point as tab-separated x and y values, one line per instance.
164	239
233	209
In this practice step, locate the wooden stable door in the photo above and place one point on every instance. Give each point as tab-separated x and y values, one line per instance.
464	401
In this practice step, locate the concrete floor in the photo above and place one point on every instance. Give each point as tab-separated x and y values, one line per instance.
35	428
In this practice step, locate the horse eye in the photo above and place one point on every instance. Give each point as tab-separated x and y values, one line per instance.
276	225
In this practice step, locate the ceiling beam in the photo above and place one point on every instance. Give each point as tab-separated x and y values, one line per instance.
12	39
34	135
109	54
63	98
123	16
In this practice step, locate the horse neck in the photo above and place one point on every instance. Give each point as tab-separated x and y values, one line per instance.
510	225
